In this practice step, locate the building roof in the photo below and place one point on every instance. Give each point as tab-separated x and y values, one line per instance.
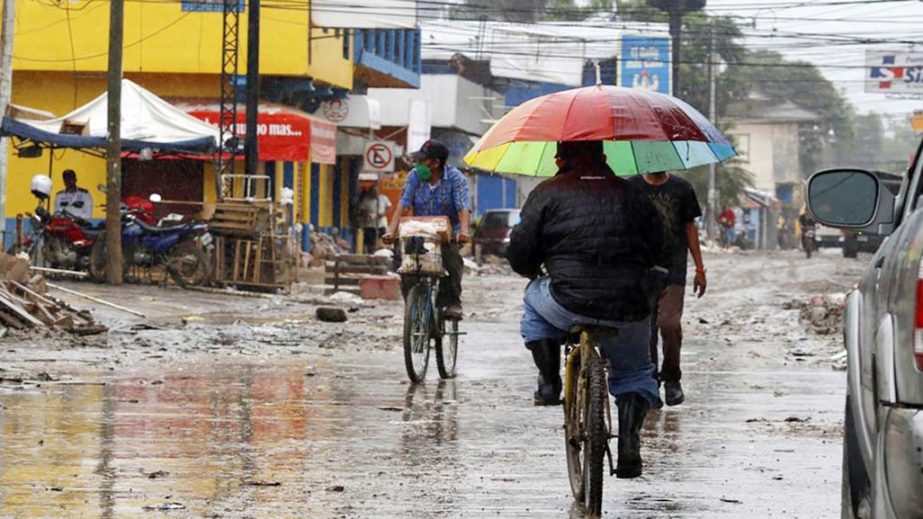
764	110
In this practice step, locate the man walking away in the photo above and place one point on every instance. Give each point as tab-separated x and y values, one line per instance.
597	237
678	206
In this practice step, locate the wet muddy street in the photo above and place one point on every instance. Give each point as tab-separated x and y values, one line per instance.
219	406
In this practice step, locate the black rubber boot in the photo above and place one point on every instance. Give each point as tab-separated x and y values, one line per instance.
547	357
632	409
673	391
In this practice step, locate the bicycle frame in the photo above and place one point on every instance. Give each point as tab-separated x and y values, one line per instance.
432	288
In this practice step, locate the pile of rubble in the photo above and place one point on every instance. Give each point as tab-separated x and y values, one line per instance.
822	313
25	304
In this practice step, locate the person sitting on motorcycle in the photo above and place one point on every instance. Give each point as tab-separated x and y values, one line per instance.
73	200
434	188
598	238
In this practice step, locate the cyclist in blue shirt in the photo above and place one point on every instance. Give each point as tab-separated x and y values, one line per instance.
434	188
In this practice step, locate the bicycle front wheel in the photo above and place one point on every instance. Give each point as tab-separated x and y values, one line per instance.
585	432
417	314
447	349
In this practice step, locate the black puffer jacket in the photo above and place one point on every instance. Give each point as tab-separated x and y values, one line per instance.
598	238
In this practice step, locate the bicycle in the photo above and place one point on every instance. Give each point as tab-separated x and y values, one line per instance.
425	326
587	416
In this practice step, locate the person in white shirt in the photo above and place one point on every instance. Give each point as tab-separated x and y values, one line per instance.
73	200
374	207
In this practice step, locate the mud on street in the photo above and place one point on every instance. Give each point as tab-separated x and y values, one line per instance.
220	406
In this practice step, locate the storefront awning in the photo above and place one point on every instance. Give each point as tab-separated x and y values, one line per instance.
148	122
284	133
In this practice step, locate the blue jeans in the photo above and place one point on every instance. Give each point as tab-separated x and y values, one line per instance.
627	350
730	236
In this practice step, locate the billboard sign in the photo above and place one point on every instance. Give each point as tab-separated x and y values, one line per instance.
893	72
644	62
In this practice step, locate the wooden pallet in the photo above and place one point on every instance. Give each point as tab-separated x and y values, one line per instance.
238	218
344	270
248	251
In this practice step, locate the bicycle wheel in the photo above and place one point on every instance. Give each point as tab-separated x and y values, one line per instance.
447	349
585	432
417	314
597	436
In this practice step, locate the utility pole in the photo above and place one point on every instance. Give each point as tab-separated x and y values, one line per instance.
6	91
712	115
251	146
676	9
114	145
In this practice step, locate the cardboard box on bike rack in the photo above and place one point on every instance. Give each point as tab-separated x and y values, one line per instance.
428	224
420	244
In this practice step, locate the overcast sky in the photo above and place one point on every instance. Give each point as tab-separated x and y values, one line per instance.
806	30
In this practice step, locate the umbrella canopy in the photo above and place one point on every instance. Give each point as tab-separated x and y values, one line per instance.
643	132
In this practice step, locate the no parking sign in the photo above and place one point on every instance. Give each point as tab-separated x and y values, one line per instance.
378	156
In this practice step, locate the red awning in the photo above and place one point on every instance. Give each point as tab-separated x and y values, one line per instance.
284	133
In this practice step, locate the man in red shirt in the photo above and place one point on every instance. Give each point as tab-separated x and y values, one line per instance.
727	219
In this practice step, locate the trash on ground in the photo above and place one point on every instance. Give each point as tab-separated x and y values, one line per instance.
331	315
823	313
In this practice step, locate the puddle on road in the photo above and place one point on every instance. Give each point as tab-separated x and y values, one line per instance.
205	441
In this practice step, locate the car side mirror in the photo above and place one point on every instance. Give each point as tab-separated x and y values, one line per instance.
851	199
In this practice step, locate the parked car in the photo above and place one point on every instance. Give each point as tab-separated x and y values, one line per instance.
883	334
492	234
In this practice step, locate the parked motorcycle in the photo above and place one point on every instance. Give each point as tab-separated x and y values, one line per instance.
183	249
62	240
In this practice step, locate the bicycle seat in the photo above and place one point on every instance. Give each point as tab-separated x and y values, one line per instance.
578	328
600	332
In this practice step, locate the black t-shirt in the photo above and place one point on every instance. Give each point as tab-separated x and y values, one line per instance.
676	201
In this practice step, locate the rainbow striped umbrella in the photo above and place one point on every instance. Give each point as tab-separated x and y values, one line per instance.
643	132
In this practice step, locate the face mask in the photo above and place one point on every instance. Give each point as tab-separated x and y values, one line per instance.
423	172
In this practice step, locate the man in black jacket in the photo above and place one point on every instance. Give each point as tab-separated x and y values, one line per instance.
597	237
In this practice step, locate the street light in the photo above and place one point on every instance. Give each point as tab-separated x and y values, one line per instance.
676	9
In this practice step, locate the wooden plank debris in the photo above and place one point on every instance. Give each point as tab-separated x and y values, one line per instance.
22	307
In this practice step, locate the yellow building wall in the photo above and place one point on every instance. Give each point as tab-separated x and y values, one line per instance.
160	37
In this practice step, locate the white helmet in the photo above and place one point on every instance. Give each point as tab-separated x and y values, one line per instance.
41	186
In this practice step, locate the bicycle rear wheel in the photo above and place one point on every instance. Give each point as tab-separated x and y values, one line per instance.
417	314
447	349
586	434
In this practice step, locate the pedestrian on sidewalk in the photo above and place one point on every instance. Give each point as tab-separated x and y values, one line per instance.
375	208
678	206
727	220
